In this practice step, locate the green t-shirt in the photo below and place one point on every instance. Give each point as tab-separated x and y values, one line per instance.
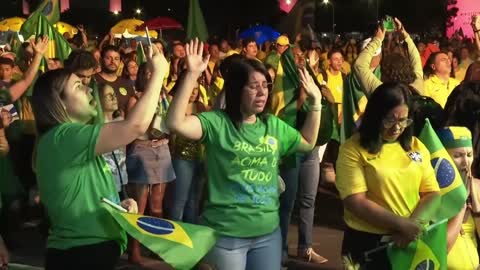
243	172
72	180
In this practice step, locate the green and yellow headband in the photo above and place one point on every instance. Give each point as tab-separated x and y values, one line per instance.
454	137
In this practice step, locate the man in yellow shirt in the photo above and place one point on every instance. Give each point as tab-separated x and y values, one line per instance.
439	84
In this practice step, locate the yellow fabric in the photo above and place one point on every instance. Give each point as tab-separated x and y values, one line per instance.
277	100
261	55
203	95
460	74
438	90
211	66
392	178
346	68
463	255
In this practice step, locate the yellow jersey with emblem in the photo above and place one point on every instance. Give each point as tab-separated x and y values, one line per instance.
392	178
440	90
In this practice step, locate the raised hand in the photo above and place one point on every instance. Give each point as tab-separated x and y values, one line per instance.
310	87
194	54
157	60
40	46
400	28
380	33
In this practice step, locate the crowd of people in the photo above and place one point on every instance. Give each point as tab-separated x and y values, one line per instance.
199	134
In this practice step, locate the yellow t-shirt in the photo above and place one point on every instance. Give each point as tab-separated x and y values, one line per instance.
463	255
460	74
438	90
335	84
393	178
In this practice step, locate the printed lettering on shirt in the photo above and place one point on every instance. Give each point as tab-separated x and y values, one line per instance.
255	163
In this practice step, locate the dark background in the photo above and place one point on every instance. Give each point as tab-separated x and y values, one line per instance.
224	17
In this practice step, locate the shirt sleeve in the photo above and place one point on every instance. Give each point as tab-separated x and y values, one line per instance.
209	121
77	141
416	63
350	178
289	137
361	68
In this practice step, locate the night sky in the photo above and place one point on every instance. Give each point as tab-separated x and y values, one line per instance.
224	17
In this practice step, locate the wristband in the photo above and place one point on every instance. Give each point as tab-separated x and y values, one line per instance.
315	108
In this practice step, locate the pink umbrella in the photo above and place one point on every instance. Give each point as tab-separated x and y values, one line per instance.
161	23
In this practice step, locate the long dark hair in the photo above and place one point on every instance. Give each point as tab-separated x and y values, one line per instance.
235	81
463	109
386	97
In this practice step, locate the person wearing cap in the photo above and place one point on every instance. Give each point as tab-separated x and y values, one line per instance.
461	229
369	59
282	45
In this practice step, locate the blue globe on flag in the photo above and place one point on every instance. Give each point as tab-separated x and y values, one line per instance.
47	10
425	265
444	171
155	225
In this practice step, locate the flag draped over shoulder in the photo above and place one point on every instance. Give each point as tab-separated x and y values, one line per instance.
285	90
196	27
50	9
428	252
354	104
452	189
181	245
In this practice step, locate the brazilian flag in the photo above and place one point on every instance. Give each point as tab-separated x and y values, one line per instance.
452	189
285	92
429	252
181	245
58	47
354	104
50	9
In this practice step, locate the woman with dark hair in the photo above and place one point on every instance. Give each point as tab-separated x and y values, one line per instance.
425	107
243	147
385	179
463	109
72	174
149	164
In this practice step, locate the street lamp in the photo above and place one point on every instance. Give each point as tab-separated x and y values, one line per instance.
138	11
326	2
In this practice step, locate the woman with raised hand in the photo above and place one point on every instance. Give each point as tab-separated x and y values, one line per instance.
243	147
72	174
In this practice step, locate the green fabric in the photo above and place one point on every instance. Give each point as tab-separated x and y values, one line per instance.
428	252
72	180
100	118
45	28
273	59
49	9
289	84
243	197
196	26
452	188
141	58
352	93
179	244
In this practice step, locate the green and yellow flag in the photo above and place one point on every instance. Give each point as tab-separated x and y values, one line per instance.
141	58
354	104
181	245
196	26
285	92
50	9
429	252
452	189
